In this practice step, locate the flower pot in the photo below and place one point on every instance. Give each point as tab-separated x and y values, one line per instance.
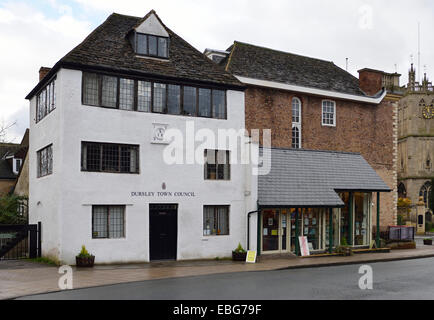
239	256
427	242
85	262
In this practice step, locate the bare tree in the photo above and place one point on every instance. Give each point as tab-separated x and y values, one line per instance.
4	127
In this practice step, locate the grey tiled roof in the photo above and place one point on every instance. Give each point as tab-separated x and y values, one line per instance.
303	178
108	47
256	62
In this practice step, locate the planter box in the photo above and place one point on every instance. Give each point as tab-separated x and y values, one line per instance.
239	256
85	262
427	242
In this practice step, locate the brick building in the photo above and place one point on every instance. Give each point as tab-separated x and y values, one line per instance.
313	104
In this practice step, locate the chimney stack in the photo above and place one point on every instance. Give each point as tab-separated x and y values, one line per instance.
43	72
370	81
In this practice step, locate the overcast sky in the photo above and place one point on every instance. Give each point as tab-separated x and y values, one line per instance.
380	34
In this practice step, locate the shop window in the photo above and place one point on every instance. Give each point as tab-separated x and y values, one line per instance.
108	222
215	220
311	227
217	166
361	219
108	157
45	161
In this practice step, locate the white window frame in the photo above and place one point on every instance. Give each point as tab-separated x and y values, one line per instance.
296	124
334	113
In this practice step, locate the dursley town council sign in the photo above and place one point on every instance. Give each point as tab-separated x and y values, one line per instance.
150	194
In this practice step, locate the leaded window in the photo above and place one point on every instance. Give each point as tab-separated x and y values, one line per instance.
189	103
126	94
109	91
109	157
148	96
46	101
144	98
217	165
328	113
219	104
45	161
150	45
215	220
108	222
204	102
159	104
173	99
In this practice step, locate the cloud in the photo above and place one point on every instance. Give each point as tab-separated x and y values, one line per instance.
30	40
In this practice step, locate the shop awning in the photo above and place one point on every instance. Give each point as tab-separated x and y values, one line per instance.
306	178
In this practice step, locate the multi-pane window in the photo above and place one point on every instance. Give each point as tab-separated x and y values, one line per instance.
126	94
45	161
144	98
148	96
219	104
296	123
215	220
328	113
159	104
204	102
173	99
153	46
46	101
109	91
108	222
190	101
217	165
295	138
109	157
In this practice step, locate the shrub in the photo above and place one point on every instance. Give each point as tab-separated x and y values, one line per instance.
239	249
84	253
10	210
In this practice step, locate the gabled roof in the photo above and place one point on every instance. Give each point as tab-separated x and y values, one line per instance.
108	48
257	62
306	178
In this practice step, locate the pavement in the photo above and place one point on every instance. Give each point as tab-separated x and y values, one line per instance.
23	278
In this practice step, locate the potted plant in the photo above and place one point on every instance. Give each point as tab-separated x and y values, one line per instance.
239	254
84	258
427	242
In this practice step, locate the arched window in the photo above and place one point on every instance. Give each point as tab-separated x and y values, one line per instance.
296	123
425	193
402	191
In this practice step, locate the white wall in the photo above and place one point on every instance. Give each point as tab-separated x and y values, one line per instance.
67	196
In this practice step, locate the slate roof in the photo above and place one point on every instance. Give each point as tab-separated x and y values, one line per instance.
108	48
306	178
256	62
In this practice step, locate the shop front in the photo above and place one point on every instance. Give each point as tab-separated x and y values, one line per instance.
326	197
281	227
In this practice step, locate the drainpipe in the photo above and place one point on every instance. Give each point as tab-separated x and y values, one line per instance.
350	220
378	221
248	227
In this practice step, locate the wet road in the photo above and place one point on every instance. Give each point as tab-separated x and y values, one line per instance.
407	279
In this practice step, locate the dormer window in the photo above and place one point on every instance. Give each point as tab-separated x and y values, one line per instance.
152	46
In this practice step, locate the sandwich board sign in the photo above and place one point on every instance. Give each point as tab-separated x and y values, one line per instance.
304	246
251	257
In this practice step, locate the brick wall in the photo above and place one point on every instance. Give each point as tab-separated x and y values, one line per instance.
364	128
370	81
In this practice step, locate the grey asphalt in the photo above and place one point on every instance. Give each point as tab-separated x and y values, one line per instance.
405	279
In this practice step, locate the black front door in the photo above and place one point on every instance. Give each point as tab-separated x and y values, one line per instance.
163	231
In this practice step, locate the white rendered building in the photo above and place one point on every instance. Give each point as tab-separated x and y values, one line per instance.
101	121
